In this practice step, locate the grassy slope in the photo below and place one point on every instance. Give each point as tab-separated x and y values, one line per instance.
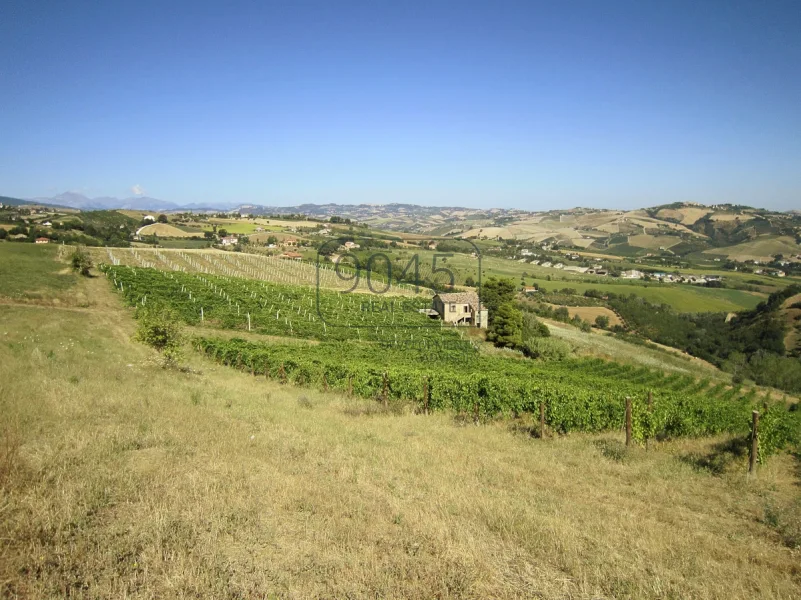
118	478
29	272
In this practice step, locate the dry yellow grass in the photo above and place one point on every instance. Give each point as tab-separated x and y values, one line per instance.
121	479
165	230
691	215
654	241
589	313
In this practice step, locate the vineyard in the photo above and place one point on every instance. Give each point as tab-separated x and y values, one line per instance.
281	309
384	348
251	266
583	396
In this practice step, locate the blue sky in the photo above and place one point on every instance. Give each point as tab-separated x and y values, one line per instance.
514	104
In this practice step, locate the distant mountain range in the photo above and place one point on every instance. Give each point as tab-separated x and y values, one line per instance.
82	202
79	201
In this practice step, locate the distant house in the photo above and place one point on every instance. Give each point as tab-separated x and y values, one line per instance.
547	264
351	245
432	246
633	274
530	289
47	224
289	243
230	240
42	240
291	256
559	266
149	218
460	308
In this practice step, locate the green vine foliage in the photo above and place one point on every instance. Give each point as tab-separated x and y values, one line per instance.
582	396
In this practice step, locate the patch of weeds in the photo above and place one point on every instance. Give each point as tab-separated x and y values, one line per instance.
786	521
304	402
74	379
196	397
722	456
612	449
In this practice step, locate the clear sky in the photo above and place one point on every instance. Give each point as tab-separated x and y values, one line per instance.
513	104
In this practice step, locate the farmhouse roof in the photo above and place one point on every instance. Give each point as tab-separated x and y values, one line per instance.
470	298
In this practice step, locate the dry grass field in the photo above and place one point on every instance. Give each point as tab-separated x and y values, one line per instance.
654	241
761	249
165	230
120	479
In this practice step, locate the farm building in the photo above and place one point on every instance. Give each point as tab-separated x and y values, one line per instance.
42	240
230	240
461	308
291	256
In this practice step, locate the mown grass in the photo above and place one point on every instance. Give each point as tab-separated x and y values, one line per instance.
122	479
29	272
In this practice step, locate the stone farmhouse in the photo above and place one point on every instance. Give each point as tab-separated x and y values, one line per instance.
460	308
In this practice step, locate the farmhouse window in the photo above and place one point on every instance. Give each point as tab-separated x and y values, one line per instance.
453	308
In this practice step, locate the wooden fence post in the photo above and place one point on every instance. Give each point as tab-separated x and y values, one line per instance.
542	420
650	418
282	373
628	421
425	394
752	456
385	390
267	369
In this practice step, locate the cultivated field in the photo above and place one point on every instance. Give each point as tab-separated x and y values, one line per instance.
761	249
165	230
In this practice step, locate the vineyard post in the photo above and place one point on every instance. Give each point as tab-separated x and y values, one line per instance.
650	419
425	394
248	321
542	420
628	421
752	456
385	390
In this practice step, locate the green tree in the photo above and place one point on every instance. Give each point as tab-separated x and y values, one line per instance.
506	329
222	232
469	281
162	218
533	327
496	292
602	321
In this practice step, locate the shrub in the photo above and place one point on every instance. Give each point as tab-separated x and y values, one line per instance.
159	328
602	321
546	349
81	262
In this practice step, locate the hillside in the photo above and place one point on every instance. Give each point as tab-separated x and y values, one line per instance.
119	478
